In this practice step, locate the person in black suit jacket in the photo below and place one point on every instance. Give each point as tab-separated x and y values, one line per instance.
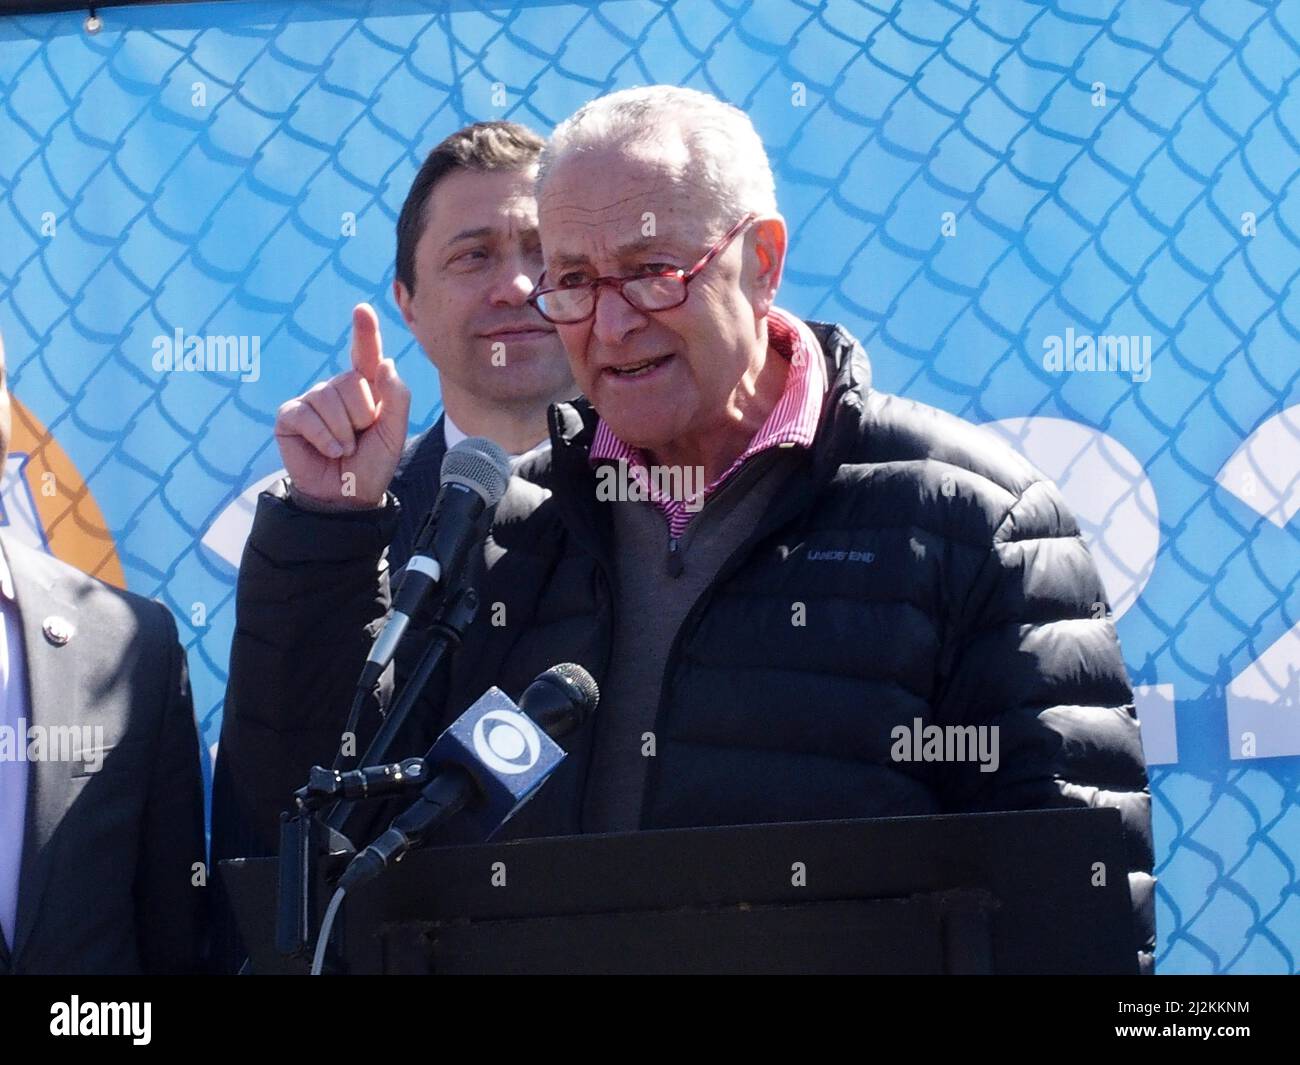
109	875
468	257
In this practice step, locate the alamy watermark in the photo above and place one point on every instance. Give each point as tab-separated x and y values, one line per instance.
75	1017
211	354
618	483
53	743
1084	353
920	742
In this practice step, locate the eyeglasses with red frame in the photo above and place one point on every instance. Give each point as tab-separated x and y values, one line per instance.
570	304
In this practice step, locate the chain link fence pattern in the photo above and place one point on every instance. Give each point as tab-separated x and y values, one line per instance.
971	187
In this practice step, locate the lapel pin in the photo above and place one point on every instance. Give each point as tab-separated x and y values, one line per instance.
58	630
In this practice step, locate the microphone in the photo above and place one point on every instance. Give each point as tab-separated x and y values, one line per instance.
492	758
561	699
474	477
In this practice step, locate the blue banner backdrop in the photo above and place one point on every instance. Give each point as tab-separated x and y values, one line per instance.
998	197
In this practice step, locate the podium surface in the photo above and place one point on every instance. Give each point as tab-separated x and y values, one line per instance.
1022	892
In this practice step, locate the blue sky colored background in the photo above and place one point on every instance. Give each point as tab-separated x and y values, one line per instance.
1118	214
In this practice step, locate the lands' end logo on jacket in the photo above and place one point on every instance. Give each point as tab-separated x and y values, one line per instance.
841	556
47	505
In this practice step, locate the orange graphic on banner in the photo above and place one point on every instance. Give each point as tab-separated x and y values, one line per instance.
72	520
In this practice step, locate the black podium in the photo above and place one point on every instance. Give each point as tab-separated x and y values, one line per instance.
1027	892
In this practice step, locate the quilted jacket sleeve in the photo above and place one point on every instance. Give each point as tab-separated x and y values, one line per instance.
311	587
1035	653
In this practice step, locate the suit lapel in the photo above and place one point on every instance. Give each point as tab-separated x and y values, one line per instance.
54	699
416	486
433	449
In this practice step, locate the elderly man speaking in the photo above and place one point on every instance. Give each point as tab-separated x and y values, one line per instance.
792	589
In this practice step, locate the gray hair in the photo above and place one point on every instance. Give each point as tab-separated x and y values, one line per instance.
727	156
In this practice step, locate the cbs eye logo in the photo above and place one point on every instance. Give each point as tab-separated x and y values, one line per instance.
506	742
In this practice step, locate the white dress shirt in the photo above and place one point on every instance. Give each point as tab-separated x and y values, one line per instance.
453	435
14	718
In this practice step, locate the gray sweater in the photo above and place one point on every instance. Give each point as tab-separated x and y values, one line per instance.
656	589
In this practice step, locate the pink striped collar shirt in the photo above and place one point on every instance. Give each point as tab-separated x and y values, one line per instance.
791	423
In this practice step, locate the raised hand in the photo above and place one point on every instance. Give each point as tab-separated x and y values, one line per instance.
341	439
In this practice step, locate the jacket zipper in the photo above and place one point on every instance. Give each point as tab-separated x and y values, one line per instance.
675	565
675	559
775	518
794	504
589	536
606	652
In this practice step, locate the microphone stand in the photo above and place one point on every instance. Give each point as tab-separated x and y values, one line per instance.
448	632
308	842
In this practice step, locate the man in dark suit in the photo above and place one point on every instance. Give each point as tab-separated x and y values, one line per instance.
101	792
468	257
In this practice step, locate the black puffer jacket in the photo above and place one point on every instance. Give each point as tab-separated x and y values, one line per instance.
969	599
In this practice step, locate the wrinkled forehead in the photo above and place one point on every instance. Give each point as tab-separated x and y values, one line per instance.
598	203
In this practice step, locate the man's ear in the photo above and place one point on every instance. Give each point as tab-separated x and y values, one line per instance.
403	298
769	248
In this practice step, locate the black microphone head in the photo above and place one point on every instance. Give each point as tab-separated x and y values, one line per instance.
480	465
583	685
561	699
